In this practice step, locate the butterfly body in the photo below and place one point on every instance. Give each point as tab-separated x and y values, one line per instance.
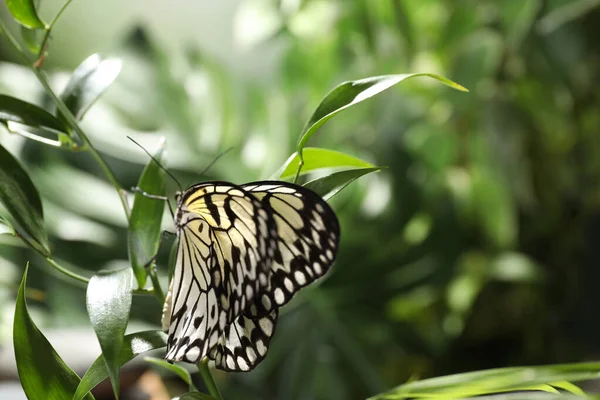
243	252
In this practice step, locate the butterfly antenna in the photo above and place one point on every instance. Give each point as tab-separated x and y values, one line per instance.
157	163
215	160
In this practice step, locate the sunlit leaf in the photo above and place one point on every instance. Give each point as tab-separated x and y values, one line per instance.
350	93
12	109
146	217
43	374
89	80
317	158
328	186
108	305
6	228
133	345
494	381
23	11
22	201
176	369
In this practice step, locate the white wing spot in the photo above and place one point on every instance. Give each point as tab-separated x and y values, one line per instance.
243	364
267	326
279	296
300	278
289	285
317	267
260	346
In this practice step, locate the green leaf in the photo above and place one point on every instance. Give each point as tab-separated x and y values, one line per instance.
6	228
146	217
176	369
23	11
569	387
22	201
89	80
316	158
196	396
350	93
12	109
32	39
495	381
330	185
43	374
133	345
108	304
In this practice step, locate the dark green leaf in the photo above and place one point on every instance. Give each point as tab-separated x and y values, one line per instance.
133	345
89	80
317	158
350	93
195	396
43	374
24	13
176	369
108	304
6	228
32	38
495	381
146	217
16	110
22	201
328	186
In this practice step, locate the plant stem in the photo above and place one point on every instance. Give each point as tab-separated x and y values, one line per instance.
300	165
48	29
65	271
209	380
70	120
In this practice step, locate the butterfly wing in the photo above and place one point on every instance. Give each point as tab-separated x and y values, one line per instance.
308	234
243	253
224	255
244	343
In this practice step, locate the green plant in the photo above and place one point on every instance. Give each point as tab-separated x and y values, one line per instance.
62	129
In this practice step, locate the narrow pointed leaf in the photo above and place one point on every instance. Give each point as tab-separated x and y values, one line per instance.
317	158
183	373
495	381
89	80
146	217
12	109
133	345
22	201
109	304
350	93
23	11
330	185
43	374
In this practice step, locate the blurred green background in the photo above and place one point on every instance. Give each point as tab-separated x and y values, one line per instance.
475	248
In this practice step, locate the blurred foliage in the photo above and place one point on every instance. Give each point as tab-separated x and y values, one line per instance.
475	248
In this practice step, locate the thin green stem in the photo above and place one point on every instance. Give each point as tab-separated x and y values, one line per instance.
49	27
70	120
208	379
300	165
65	271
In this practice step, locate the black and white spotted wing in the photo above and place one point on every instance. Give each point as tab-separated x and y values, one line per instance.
225	238
308	234
244	251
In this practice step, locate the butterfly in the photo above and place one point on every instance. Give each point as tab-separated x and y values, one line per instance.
244	251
